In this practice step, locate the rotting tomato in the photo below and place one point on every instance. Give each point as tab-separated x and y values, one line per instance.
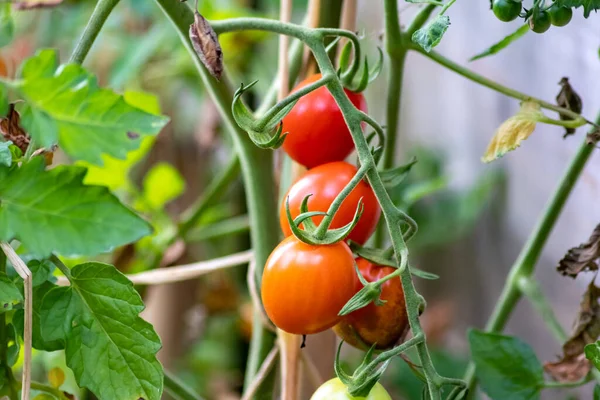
540	22
304	286
506	10
560	16
317	132
325	182
383	325
334	389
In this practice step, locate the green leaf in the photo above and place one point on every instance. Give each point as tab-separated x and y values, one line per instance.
7	26
588	5
416	191
506	366
13	348
111	350
5	154
597	392
9	293
42	271
65	104
592	353
38	341
395	176
430	35
3	100
54	211
495	48
162	184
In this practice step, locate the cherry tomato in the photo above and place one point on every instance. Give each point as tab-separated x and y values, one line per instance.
334	389
304	287
325	182
385	324
540	23
560	16
317	132
506	10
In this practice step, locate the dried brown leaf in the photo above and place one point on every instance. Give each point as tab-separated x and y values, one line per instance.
11	129
573	366
207	46
569	99
583	257
31	4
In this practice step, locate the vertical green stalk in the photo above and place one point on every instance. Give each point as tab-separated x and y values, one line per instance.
524	266
257	172
97	20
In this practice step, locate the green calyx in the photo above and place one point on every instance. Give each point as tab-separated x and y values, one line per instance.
349	72
365	376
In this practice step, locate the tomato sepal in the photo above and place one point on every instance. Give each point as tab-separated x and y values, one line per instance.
393	177
365	376
375	256
370	293
265	132
367	76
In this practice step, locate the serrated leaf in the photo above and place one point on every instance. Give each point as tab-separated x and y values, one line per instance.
111	350
162	184
588	5
431	34
513	131
506	367
7	26
9	293
495	48
5	154
38	341
54	211
65	104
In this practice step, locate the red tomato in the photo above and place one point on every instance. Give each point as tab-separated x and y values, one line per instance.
304	287
325	182
383	325
317	132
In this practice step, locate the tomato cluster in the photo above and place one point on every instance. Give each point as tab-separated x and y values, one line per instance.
304	286
539	20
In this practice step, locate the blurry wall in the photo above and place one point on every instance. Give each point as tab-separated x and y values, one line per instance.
444	110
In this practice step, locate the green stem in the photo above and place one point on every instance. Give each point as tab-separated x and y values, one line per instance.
227	227
97	20
3	337
532	290
420	19
558	385
57	393
257	168
530	254
177	389
475	77
447	6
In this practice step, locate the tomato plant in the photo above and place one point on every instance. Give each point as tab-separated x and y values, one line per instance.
324	183
334	389
317	133
506	10
381	325
560	16
540	22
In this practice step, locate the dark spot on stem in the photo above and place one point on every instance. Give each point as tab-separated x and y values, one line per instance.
133	135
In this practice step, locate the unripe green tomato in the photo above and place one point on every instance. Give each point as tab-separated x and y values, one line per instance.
540	23
560	16
506	10
334	389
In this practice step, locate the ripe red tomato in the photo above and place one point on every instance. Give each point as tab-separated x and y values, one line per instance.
325	182
304	287
383	325
317	132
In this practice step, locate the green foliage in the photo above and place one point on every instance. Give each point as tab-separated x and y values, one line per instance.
9	293
597	392
431	34
495	48
5	154
592	353
64	104
162	184
506	366
54	211
7	26
111	350
588	5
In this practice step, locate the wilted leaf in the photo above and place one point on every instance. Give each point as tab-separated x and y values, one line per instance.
111	350
569	99
54	211
503	43
513	131
506	366
11	129
573	365
582	257
29	4
206	44
430	35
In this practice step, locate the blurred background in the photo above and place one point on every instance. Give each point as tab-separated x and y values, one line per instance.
473	217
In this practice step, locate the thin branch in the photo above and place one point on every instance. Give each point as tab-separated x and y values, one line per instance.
25	274
261	374
185	272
